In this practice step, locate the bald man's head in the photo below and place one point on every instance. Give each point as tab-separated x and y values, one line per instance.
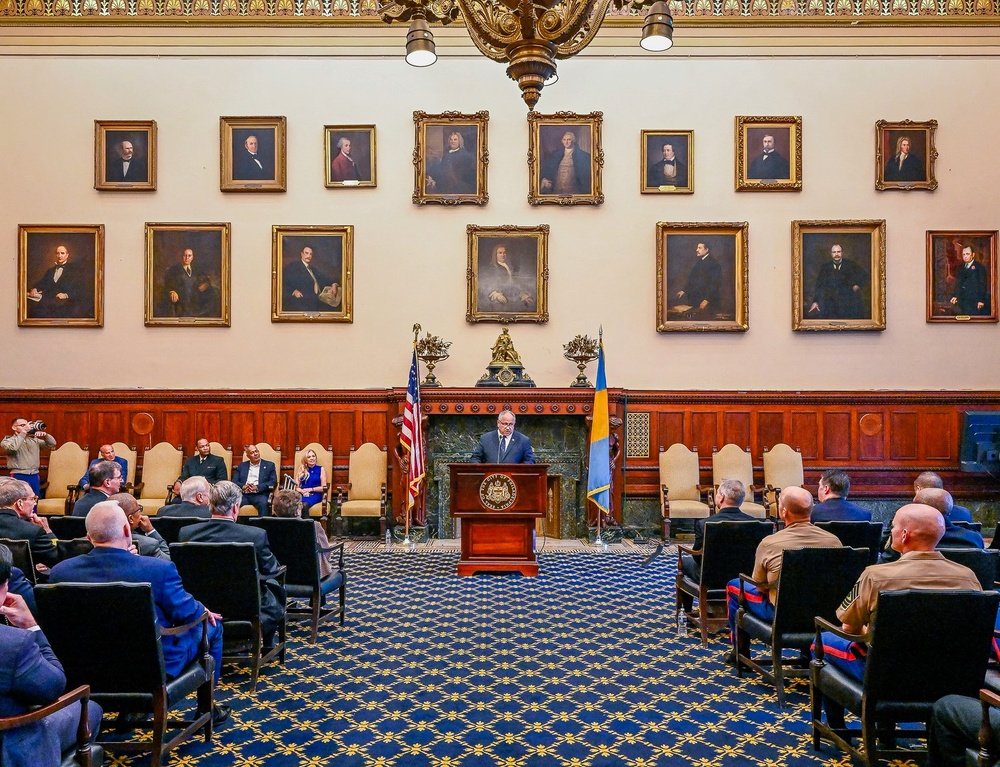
796	503
917	527
107	526
936	498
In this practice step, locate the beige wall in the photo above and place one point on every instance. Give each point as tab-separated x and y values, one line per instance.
410	261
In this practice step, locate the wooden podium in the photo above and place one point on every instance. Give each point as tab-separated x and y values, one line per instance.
498	504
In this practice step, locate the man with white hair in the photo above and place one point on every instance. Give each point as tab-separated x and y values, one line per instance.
194	500
19	522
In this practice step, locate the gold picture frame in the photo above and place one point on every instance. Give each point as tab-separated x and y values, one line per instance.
845	293
565	136
312	274
508	273
252	154
667	162
702	274
357	167
905	155
450	158
125	155
962	276
187	274
768	154
60	275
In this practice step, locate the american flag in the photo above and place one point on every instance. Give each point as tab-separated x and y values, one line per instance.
412	436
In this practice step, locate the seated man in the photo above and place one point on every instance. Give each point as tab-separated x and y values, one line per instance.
148	542
288	503
202	464
113	559
105	479
954	727
257	478
107	454
794	509
930	479
194	500
833	489
31	675
19	522
225	500
954	537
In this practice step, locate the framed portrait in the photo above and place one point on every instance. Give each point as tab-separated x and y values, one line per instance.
768	154
187	274
450	158
838	275
508	273
252	154
962	276
667	162
60	275
350	156
905	155
565	159
701	277
125	155
312	274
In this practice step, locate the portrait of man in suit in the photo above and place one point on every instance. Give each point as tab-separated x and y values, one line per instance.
451	159
350	155
768	159
311	268
187	274
667	162
126	159
252	161
567	166
960	272
700	277
837	276
59	275
905	163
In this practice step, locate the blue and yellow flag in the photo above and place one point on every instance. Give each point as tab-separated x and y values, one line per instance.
599	476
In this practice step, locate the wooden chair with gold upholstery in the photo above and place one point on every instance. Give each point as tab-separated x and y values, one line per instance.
131	455
364	495
161	466
733	463
67	463
680	492
782	468
324	458
267	453
226	454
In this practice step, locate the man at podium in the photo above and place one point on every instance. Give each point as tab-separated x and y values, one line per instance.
504	445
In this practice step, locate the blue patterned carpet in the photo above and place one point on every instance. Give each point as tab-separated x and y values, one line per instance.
580	666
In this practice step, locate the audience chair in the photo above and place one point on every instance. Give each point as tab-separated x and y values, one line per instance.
224	578
733	463
67	528
74	548
105	635
161	466
21	553
364	495
226	453
983	562
857	535
680	492
131	455
267	453
813	583
729	549
782	468
293	542
67	463
989	748
169	528
974	526
324	458
906	670
82	753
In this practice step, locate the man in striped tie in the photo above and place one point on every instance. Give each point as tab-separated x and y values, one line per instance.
504	445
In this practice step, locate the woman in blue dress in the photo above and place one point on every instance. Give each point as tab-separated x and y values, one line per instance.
310	480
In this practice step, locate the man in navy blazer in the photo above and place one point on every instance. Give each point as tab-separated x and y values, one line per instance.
504	445
105	478
107	454
257	479
932	479
834	487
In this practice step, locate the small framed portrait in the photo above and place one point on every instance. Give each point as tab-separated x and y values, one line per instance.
450	158
962	276
187	274
508	273
60	275
905	155
312	274
252	154
350	155
125	155
667	162
768	154
565	159
838	275
701	277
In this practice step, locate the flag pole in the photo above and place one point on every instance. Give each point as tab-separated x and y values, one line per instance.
599	469
599	541
406	540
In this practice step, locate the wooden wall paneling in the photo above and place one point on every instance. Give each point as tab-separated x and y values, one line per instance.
704	433
109	426
176	427
242	430
872	435
342	437
307	429
904	427
74	424
939	436
274	425
374	427
669	430
836	436
770	429
208	424
804	430
736	428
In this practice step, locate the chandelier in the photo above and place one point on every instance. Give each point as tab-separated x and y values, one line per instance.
528	35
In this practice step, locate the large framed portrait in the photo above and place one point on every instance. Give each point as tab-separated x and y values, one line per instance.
60	275
838	275
350	155
252	154
508	273
905	155
667	162
187	274
768	154
125	155
702	276
312	274
962	276
450	158
565	159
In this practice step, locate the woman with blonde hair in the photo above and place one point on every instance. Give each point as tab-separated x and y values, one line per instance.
310	481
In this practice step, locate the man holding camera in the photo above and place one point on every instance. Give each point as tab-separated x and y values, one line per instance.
23	448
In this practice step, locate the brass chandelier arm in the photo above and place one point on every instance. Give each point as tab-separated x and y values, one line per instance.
492	27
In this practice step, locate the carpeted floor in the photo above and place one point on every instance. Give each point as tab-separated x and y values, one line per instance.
578	667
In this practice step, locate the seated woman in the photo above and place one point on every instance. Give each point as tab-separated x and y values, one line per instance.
310	480
286	504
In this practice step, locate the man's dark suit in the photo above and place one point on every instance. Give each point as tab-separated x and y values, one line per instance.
656	174
839	510
912	169
151	544
245	169
213	468
690	565
769	167
185	509
581	170
178	281
488	449
43	544
31	675
272	596
954	537
85	479
296	277
174	606
87	501
960	514
972	288
267	481
71	282
703	285
138	173
835	294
